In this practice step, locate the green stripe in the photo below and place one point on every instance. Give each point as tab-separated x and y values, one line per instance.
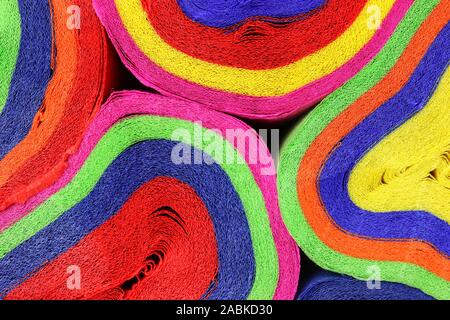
10	24
305	133
131	131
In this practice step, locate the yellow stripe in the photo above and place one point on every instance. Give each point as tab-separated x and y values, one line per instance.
410	168
275	82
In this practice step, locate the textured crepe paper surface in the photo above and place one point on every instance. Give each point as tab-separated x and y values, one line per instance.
330	286
157	51
222	46
59	81
221	14
32	66
10	34
125	156
405	85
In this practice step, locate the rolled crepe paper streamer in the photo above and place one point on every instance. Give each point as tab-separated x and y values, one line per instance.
331	286
125	164
49	101
423	99
292	72
403	87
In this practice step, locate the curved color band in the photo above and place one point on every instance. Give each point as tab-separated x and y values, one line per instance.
222	14
10	27
256	44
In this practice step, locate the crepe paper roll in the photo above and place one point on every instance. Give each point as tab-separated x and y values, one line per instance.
405	85
330	286
139	224
60	78
298	71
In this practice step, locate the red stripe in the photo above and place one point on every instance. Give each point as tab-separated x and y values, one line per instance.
160	245
255	44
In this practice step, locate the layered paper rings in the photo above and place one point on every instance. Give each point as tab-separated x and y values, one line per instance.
364	179
161	201
53	79
266	62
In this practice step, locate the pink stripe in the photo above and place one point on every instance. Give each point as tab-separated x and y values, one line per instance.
126	103
267	108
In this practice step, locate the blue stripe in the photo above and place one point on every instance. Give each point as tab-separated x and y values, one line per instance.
330	286
222	14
